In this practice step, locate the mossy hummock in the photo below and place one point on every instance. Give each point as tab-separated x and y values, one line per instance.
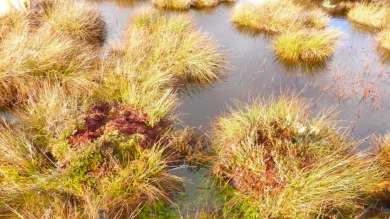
67	158
276	161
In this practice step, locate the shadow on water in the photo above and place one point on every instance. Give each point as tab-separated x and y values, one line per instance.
355	81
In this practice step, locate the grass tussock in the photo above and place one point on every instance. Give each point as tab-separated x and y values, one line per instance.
382	191
173	4
69	157
172	46
277	16
305	47
277	161
187	4
370	15
29	58
79	20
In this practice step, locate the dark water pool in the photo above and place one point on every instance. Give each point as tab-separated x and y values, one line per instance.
355	81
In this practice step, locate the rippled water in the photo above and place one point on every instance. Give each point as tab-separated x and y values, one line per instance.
355	81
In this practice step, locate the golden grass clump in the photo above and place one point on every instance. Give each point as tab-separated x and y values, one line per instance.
277	16
78	19
13	22
305	47
171	45
148	91
173	4
382	191
71	157
274	160
370	15
29	58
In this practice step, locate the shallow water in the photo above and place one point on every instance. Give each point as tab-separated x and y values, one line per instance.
355	81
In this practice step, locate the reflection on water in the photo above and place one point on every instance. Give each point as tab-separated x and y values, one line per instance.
354	80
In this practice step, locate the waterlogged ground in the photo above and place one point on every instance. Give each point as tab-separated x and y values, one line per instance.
355	82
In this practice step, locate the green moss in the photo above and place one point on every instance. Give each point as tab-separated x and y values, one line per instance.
159	210
76	175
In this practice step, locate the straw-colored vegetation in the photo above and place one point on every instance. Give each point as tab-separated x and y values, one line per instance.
382	191
187	4
173	4
370	15
77	19
276	161
184	53
337	7
27	59
13	22
305	47
277	16
53	43
384	42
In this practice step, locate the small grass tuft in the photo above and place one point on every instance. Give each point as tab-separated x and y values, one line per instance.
370	15
275	160
78	19
172	45
305	47
173	4
277	16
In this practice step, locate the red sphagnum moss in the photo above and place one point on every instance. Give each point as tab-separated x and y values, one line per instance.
108	117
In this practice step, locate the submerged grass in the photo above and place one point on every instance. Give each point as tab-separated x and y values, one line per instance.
305	47
173	46
370	15
276	161
78	19
277	16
